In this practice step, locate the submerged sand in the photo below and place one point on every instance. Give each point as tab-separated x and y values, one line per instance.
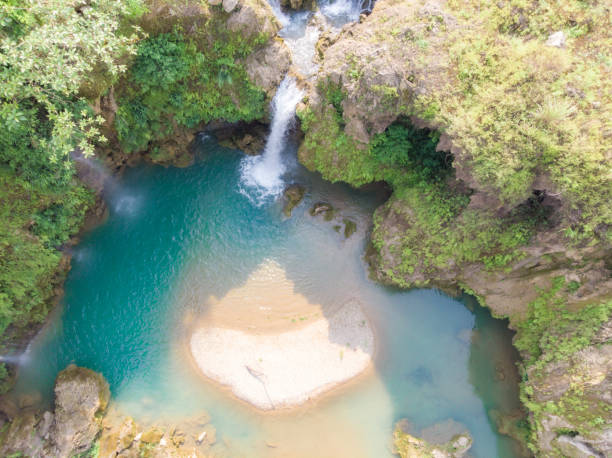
273	348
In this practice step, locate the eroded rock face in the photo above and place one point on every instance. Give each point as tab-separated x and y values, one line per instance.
81	396
268	66
583	430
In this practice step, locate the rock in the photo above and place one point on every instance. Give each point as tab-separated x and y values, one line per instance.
323	208
8	408
229	5
408	446
251	145
178	437
45	424
254	17
299	4
349	227
152	436
21	438
250	140
127	434
81	395
294	195
177	150
215	2
556	39
267	67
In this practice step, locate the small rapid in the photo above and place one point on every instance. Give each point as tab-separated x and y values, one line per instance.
262	175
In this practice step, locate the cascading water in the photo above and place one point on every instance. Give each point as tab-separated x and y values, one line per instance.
262	175
283	18
340	12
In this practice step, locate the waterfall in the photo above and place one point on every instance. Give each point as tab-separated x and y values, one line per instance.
340	12
262	174
283	18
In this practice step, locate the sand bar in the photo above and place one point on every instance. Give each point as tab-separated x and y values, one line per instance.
292	361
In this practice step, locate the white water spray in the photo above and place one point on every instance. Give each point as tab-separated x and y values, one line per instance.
262	174
283	18
340	12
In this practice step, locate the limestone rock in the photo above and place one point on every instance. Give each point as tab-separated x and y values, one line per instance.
80	396
254	17
152	436
22	437
299	4
293	195
556	39
349	227
229	5
268	66
323	208
408	446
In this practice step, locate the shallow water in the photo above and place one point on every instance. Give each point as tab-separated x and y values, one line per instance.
177	236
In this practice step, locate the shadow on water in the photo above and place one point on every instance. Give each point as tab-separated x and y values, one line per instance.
495	377
175	237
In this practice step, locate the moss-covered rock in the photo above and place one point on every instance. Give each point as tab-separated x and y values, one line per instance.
293	196
81	397
408	446
200	63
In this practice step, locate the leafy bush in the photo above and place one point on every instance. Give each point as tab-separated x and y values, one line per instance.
553	332
405	146
175	81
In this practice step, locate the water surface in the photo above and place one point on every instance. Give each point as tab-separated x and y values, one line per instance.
177	236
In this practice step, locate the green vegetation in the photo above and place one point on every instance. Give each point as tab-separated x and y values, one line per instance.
554	333
521	108
403	145
182	81
440	229
47	50
57	57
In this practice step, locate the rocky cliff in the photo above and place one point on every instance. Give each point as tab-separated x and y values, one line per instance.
511	198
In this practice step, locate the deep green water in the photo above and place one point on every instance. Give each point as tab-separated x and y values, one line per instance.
176	236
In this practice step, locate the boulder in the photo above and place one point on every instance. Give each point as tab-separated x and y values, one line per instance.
408	446
254	17
21	438
81	395
349	227
229	5
293	195
267	67
323	208
556	40
299	4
